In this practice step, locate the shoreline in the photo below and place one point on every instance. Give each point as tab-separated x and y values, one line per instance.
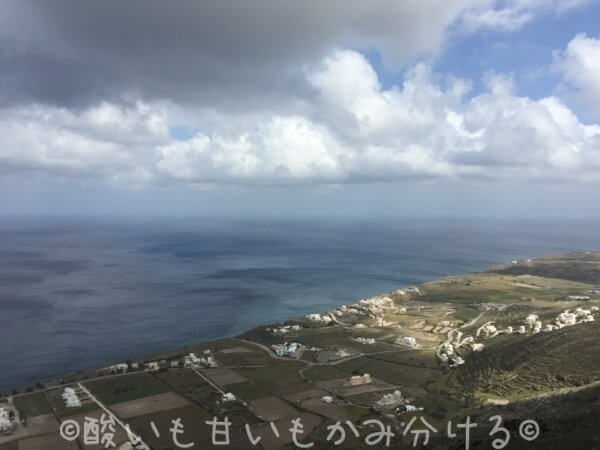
24	389
170	350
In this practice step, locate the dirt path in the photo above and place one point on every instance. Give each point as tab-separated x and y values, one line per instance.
201	375
473	321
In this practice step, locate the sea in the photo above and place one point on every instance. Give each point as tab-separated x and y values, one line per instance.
78	293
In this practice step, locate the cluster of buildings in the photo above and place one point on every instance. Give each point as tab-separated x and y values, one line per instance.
533	324
119	368
378	302
8	422
192	360
564	319
447	351
396	401
488	330
352	309
408	290
365	340
373	307
287	350
324	319
70	397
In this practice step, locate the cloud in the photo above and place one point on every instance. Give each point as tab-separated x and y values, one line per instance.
108	141
226	53
350	130
580	66
511	15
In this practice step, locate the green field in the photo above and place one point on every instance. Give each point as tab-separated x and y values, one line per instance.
323	373
279	379
32	405
124	388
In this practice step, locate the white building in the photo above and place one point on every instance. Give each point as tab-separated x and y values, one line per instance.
365	340
358	380
327	399
228	397
389	400
409	340
401	409
489	330
119	368
531	319
7	426
378	302
457	361
285	329
193	360
448	349
71	399
318	318
287	350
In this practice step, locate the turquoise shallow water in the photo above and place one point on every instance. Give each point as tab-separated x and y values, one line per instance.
77	293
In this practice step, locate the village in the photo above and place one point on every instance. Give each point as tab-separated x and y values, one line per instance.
377	357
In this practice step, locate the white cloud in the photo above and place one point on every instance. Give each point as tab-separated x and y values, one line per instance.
281	150
107	140
511	15
352	130
580	65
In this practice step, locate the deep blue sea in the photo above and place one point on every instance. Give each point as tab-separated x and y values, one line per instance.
80	293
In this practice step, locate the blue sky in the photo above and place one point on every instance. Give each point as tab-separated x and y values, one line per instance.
528	53
475	107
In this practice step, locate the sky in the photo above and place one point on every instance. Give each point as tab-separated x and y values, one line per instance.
267	108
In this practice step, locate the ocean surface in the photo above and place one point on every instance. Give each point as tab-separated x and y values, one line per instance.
81	293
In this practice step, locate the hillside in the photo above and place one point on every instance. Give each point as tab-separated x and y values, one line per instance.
581	266
515	367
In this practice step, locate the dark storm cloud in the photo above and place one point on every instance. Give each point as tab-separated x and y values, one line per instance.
226	52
